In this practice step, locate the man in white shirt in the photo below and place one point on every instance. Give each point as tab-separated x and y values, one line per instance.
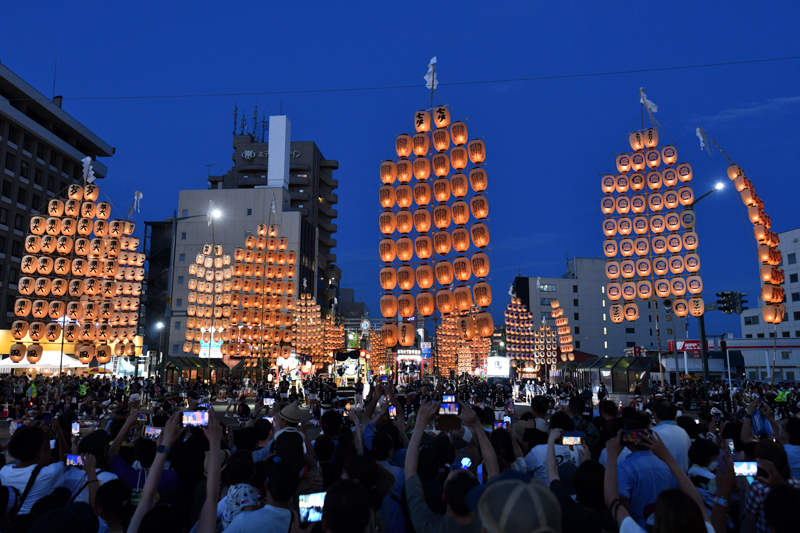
31	447
536	458
674	437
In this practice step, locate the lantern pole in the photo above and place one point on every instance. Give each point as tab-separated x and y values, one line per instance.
774	354
429	133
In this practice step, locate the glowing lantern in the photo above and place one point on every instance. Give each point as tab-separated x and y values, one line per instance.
612	270
677	287
463	298
631	312
405	196
421	144
652	158
388	277
462	269
623	204
484	325
479	206
483	294
387	196
406	334
461	240
441	117
387	222
441	140
608	205
480	235
442	216
424	276
404	171
422	194
477	151
773	313
623	163
422	168
389	335
608	184
638	204
388	306
405	278
637	182
636	139
425	303
441	190
459	158
609	227
422	220
423	246
690	240
442	242
460	212
405	304
404	146
387	249
480	265
444	273
405	221
405	249
422	123
610	248
615	311
441	165
445	301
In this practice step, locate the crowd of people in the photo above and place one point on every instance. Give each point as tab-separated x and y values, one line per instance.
419	456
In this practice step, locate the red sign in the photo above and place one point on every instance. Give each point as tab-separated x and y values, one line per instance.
688	345
637	351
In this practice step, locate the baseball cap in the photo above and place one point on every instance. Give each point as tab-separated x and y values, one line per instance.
500	505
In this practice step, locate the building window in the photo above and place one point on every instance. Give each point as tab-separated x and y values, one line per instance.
182	258
796	296
545	301
748	336
630	344
183	235
651	332
35	201
26	143
175	348
789	376
3	216
544	316
7	189
10	161
2	244
51	183
605	345
578	330
604	303
21	194
792	257
547	287
751	320
185	213
23	169
792	278
785	356
578	344
575	302
576	316
15	246
771	334
40	151
37	176
786	333
604	317
760	336
13	134
180	280
602	289
753	375
12	275
630	330
249	212
179	302
574	288
796	315
18	222
177	325
53	159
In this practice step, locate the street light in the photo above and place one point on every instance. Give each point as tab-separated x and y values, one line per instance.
718	187
216	213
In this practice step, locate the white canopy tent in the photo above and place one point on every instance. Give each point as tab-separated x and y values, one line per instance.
49	360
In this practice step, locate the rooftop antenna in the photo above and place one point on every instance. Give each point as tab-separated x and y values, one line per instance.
244	124
209	168
55	70
235	116
255	121
264	127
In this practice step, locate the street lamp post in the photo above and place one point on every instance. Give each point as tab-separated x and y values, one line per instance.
160	327
701	320
170	273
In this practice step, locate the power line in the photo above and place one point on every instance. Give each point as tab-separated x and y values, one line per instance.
416	86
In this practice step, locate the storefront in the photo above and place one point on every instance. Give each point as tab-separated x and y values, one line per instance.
194	369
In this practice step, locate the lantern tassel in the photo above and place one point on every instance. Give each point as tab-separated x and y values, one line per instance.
705	142
650	106
431	80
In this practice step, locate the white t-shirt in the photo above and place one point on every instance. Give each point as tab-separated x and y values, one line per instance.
629	525
50	477
536	459
268	519
624	454
75	478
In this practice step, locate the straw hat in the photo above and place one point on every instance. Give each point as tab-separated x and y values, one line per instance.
291	413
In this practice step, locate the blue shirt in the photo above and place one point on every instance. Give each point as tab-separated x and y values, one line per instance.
641	478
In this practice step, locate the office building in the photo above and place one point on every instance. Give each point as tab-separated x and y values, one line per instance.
41	148
582	293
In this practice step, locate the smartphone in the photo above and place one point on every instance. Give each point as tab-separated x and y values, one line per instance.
717	417
384	379
347	407
696	420
729	442
449	409
195	419
76	429
507	419
633	435
47	418
271	421
310	507
204	406
510	407
269	402
745	468
74	460
144	416
449	398
392	412
466	462
151	432
571	440
499	425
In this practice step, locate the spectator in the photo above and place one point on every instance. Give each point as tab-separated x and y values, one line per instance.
774	457
346	508
241	494
536	458
515	503
675	438
575	409
792	447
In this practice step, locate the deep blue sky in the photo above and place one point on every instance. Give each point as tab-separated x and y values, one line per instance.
548	141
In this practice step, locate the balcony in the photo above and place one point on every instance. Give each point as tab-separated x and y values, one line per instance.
327	226
327	241
299	196
329	163
331	198
296	180
328	210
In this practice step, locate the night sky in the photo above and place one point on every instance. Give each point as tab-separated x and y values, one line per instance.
548	141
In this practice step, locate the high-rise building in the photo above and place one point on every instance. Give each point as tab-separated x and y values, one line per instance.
41	148
582	293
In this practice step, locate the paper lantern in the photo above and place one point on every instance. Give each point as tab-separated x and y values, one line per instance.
422	194
444	273
405	221
670	177
441	140
628	269
423	246
388	278
463	297
441	190
405	249
441	117
631	312
422	220
483	294
484	325
404	196
612	270
461	240
610	248
425	303
669	155
696	307
459	158
677	286
770	294
773	313
441	165
421	144
422	123
405	305
460	211
389	335
685	196
442	242
644	289
406	334
458	132
656	202
623	163
405	278
684	172
462	269
637	162
636	140
480	265
477	151
643	267
404	146
608	205
442	216
623	205
34	353
654	181
615	312
424	276
694	284
465	327
479	206
388	306
17	352
637	182
690	240
480	235
608	183
478	179
445	301
404	171
387	196
422	168
652	158
638	204
662	288
650	137
459	185
387	250
629	290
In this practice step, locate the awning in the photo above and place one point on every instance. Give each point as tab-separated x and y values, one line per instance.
196	363
49	359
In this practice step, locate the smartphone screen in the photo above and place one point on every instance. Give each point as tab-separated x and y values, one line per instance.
384	378
269	402
507	419
392	412
449	398
143	416
204	406
271	421
466	462
195	419
310	507
448	409
499	425
571	441
510	407
74	460
745	468
76	428
47	418
633	435
151	432
729	442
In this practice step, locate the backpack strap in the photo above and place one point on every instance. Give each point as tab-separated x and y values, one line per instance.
28	487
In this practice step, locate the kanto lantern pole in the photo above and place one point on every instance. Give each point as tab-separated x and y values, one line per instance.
701	326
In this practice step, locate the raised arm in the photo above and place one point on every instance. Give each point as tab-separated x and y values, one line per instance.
550	461
747	423
470	418
426	413
359	433
208	514
618	510
374	402
123	433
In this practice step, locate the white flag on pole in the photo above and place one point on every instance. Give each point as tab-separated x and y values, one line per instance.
431	79
650	106
705	143
210	215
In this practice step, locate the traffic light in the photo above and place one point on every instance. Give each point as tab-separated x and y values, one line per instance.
725	304
738	302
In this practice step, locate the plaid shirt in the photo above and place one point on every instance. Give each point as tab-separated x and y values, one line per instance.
755	502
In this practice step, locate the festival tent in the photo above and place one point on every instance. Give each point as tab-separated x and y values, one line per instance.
49	360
